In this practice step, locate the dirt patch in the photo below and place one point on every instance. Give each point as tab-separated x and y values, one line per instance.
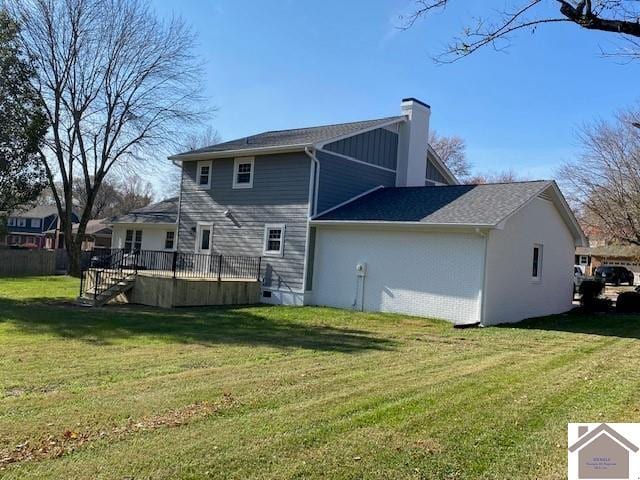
54	446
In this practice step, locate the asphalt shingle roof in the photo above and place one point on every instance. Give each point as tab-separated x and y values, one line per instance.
165	211
298	136
487	204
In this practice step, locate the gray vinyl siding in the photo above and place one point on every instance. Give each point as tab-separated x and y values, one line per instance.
434	174
341	179
279	195
378	147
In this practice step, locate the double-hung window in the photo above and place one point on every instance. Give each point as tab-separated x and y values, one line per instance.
36	223
11	222
169	240
536	265
133	241
203	175
243	172
22	222
274	240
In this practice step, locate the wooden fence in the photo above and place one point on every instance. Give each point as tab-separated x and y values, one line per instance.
16	263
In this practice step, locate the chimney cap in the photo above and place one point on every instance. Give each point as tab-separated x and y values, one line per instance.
413	99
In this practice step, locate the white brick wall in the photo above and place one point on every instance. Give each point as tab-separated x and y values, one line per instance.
511	295
436	275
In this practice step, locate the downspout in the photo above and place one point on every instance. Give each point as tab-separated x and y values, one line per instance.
483	295
312	207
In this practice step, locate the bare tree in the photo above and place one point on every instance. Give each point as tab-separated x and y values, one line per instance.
604	183
118	84
115	197
620	17
505	176
453	152
192	141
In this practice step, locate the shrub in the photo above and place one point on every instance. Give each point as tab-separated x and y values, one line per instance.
590	291
628	302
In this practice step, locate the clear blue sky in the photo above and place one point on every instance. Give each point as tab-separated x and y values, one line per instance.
285	64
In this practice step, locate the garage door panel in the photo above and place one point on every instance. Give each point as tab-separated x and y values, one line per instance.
426	274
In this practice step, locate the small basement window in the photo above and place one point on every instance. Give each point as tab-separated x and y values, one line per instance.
536	267
274	240
204	175
243	172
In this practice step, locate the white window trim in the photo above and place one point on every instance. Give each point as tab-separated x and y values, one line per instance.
540	248
273	253
39	225
236	164
21	222
199	227
586	260
173	242
207	163
11	222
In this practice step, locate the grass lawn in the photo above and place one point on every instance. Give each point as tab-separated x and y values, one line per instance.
276	392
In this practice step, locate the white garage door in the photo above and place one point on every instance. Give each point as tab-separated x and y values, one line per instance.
436	275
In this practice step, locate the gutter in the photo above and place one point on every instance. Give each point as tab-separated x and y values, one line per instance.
386	223
244	152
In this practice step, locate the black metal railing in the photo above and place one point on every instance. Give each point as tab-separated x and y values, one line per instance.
106	266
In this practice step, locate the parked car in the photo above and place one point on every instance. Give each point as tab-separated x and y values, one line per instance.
578	276
615	275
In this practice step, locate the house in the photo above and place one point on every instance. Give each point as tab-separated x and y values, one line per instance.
590	258
365	215
97	235
602	453
151	228
28	229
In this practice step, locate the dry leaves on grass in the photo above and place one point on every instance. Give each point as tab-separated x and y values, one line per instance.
54	446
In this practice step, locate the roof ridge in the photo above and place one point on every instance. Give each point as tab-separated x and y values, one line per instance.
323	126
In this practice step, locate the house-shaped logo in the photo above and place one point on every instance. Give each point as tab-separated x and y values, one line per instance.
601	452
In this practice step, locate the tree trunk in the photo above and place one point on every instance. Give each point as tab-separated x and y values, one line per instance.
74	251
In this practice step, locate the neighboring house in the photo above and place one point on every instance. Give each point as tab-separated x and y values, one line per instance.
151	228
590	258
97	235
28	229
365	215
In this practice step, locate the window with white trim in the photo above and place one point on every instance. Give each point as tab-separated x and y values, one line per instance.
21	222
11	222
133	241
274	240
536	264
243	172
584	260
36	223
203	175
169	240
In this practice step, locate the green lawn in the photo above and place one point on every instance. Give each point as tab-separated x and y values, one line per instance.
274	392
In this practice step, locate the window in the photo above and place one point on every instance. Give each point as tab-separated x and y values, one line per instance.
536	270
204	175
133	241
169	240
274	240
21	222
11	222
243	172
204	233
35	223
584	260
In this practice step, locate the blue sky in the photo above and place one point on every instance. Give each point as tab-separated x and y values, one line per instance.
286	64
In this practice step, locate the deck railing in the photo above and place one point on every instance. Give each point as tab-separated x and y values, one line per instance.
113	262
